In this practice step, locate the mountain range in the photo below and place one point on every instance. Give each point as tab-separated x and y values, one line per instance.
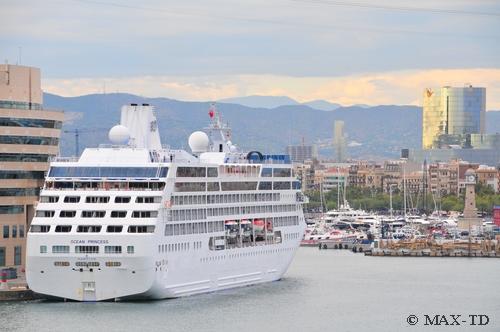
375	132
277	101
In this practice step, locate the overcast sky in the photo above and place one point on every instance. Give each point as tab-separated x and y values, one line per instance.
359	51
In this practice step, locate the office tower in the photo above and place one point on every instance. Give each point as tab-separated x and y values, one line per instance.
450	115
29	136
339	141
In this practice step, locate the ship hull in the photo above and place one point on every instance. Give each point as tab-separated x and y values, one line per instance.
157	276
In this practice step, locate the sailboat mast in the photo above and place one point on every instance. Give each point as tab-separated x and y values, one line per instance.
338	189
345	187
404	190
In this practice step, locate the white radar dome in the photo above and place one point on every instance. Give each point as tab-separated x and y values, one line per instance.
119	134
198	142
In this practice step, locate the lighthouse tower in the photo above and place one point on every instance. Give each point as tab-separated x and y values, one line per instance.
470	218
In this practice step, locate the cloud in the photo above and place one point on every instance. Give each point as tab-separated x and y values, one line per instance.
398	87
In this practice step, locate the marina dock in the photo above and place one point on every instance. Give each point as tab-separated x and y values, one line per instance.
433	248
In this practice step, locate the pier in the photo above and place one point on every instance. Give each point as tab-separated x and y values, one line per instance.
433	248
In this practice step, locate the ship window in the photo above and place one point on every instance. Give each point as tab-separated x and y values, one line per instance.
265	185
163	172
39	228
87	264
61	263
71	199
108	172
144	214
93	214
44	214
190	186
62	185
141	229
130	249
118	214
88	229
122	199
169	230
212	172
189	172
114	229
86	249
148	199
49	199
281	185
63	228
266	172
213	186
67	214
113	264
217	243
228	186
60	249
113	249
282	172
97	199
43	249
277	237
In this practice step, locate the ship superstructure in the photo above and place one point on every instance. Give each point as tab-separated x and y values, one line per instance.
135	220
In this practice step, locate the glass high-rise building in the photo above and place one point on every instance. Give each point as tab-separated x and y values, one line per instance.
450	114
339	141
29	136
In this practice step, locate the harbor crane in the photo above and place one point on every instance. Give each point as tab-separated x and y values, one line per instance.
77	133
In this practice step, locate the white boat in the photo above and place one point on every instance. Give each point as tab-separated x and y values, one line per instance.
346	213
134	220
416	219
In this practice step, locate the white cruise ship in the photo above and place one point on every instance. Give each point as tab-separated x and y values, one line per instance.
134	220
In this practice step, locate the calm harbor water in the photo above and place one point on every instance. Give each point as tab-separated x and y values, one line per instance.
325	290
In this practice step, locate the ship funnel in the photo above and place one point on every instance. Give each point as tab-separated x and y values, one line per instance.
142	126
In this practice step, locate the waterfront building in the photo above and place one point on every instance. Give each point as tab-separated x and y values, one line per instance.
451	113
414	182
29	136
443	179
331	179
301	153
305	174
488	176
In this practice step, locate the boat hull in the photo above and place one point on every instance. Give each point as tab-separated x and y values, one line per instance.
159	276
